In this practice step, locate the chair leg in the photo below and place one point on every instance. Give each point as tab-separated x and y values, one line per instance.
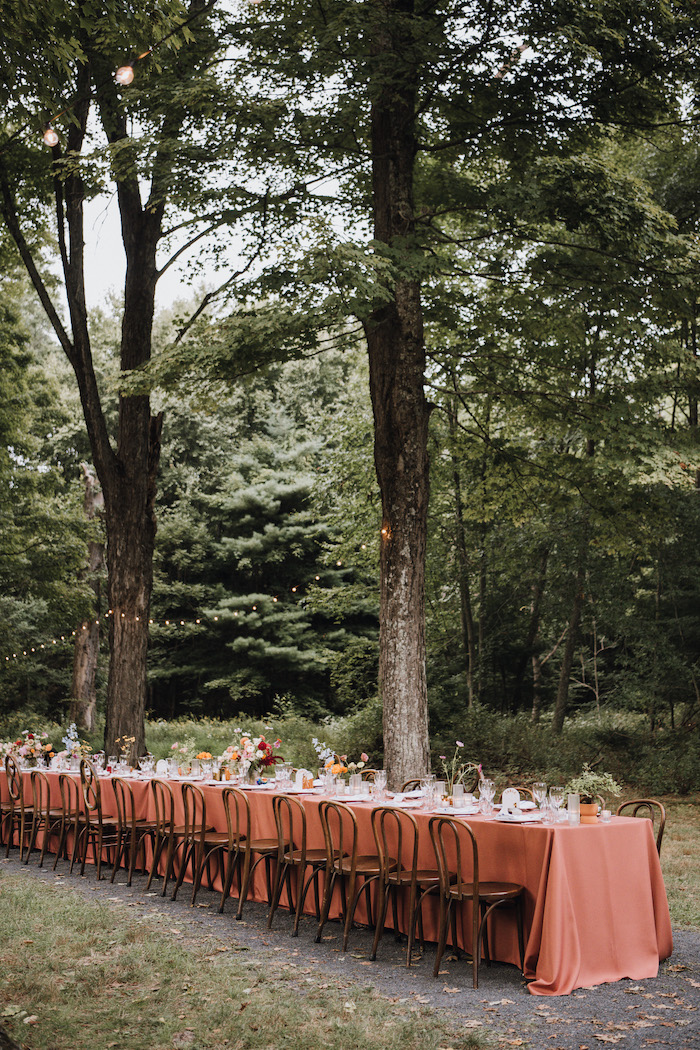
382	907
232	864
326	907
442	940
283	872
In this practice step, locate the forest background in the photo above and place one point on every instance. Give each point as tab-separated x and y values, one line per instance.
562	377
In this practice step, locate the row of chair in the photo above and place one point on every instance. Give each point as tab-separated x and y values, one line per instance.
198	848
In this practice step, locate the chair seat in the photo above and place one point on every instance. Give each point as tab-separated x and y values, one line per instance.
365	864
179	831
220	838
491	892
313	856
424	877
262	845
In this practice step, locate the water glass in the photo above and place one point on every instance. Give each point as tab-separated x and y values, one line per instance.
539	792
355	783
380	783
112	764
556	797
457	792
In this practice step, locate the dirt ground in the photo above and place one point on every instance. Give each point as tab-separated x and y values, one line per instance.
635	1015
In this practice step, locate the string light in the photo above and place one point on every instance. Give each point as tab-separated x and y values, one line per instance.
165	623
124	75
50	136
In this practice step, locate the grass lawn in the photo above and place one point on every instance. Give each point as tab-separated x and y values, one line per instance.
680	860
80	975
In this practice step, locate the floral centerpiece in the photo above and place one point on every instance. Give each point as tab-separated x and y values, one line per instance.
75	747
184	752
29	746
457	771
252	753
337	764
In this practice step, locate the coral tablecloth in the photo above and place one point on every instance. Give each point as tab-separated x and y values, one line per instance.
595	901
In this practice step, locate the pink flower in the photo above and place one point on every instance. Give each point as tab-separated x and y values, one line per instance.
459	743
174	747
443	758
364	757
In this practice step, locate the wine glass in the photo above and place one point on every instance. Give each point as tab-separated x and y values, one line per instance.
539	793
556	797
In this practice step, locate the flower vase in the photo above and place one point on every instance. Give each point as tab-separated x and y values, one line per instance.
251	774
589	812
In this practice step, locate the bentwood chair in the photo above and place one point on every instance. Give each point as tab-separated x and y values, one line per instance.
411	785
70	817
163	830
45	817
132	832
16	815
396	832
190	838
646	807
95	827
293	856
457	858
356	872
244	848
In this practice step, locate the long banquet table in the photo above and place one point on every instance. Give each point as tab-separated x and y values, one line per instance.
595	902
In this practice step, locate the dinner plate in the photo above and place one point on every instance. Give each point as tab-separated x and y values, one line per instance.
518	818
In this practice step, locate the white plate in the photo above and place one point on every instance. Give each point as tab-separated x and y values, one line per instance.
519	818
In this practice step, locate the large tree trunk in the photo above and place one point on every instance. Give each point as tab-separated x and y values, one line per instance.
83	704
396	349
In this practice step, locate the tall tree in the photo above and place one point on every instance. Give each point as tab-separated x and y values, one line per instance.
61	57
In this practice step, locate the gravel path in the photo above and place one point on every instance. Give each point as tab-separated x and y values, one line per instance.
663	1012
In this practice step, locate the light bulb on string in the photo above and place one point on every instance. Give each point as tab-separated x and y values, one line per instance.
124	75
50	136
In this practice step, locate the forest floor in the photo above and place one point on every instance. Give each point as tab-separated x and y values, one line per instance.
635	1015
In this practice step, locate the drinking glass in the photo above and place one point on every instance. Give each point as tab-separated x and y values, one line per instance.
556	797
457	791
380	783
487	790
98	761
112	764
539	792
355	783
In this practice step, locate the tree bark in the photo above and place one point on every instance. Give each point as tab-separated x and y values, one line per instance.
83	704
533	628
465	603
569	648
396	349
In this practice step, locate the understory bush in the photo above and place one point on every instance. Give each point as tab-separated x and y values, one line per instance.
511	748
